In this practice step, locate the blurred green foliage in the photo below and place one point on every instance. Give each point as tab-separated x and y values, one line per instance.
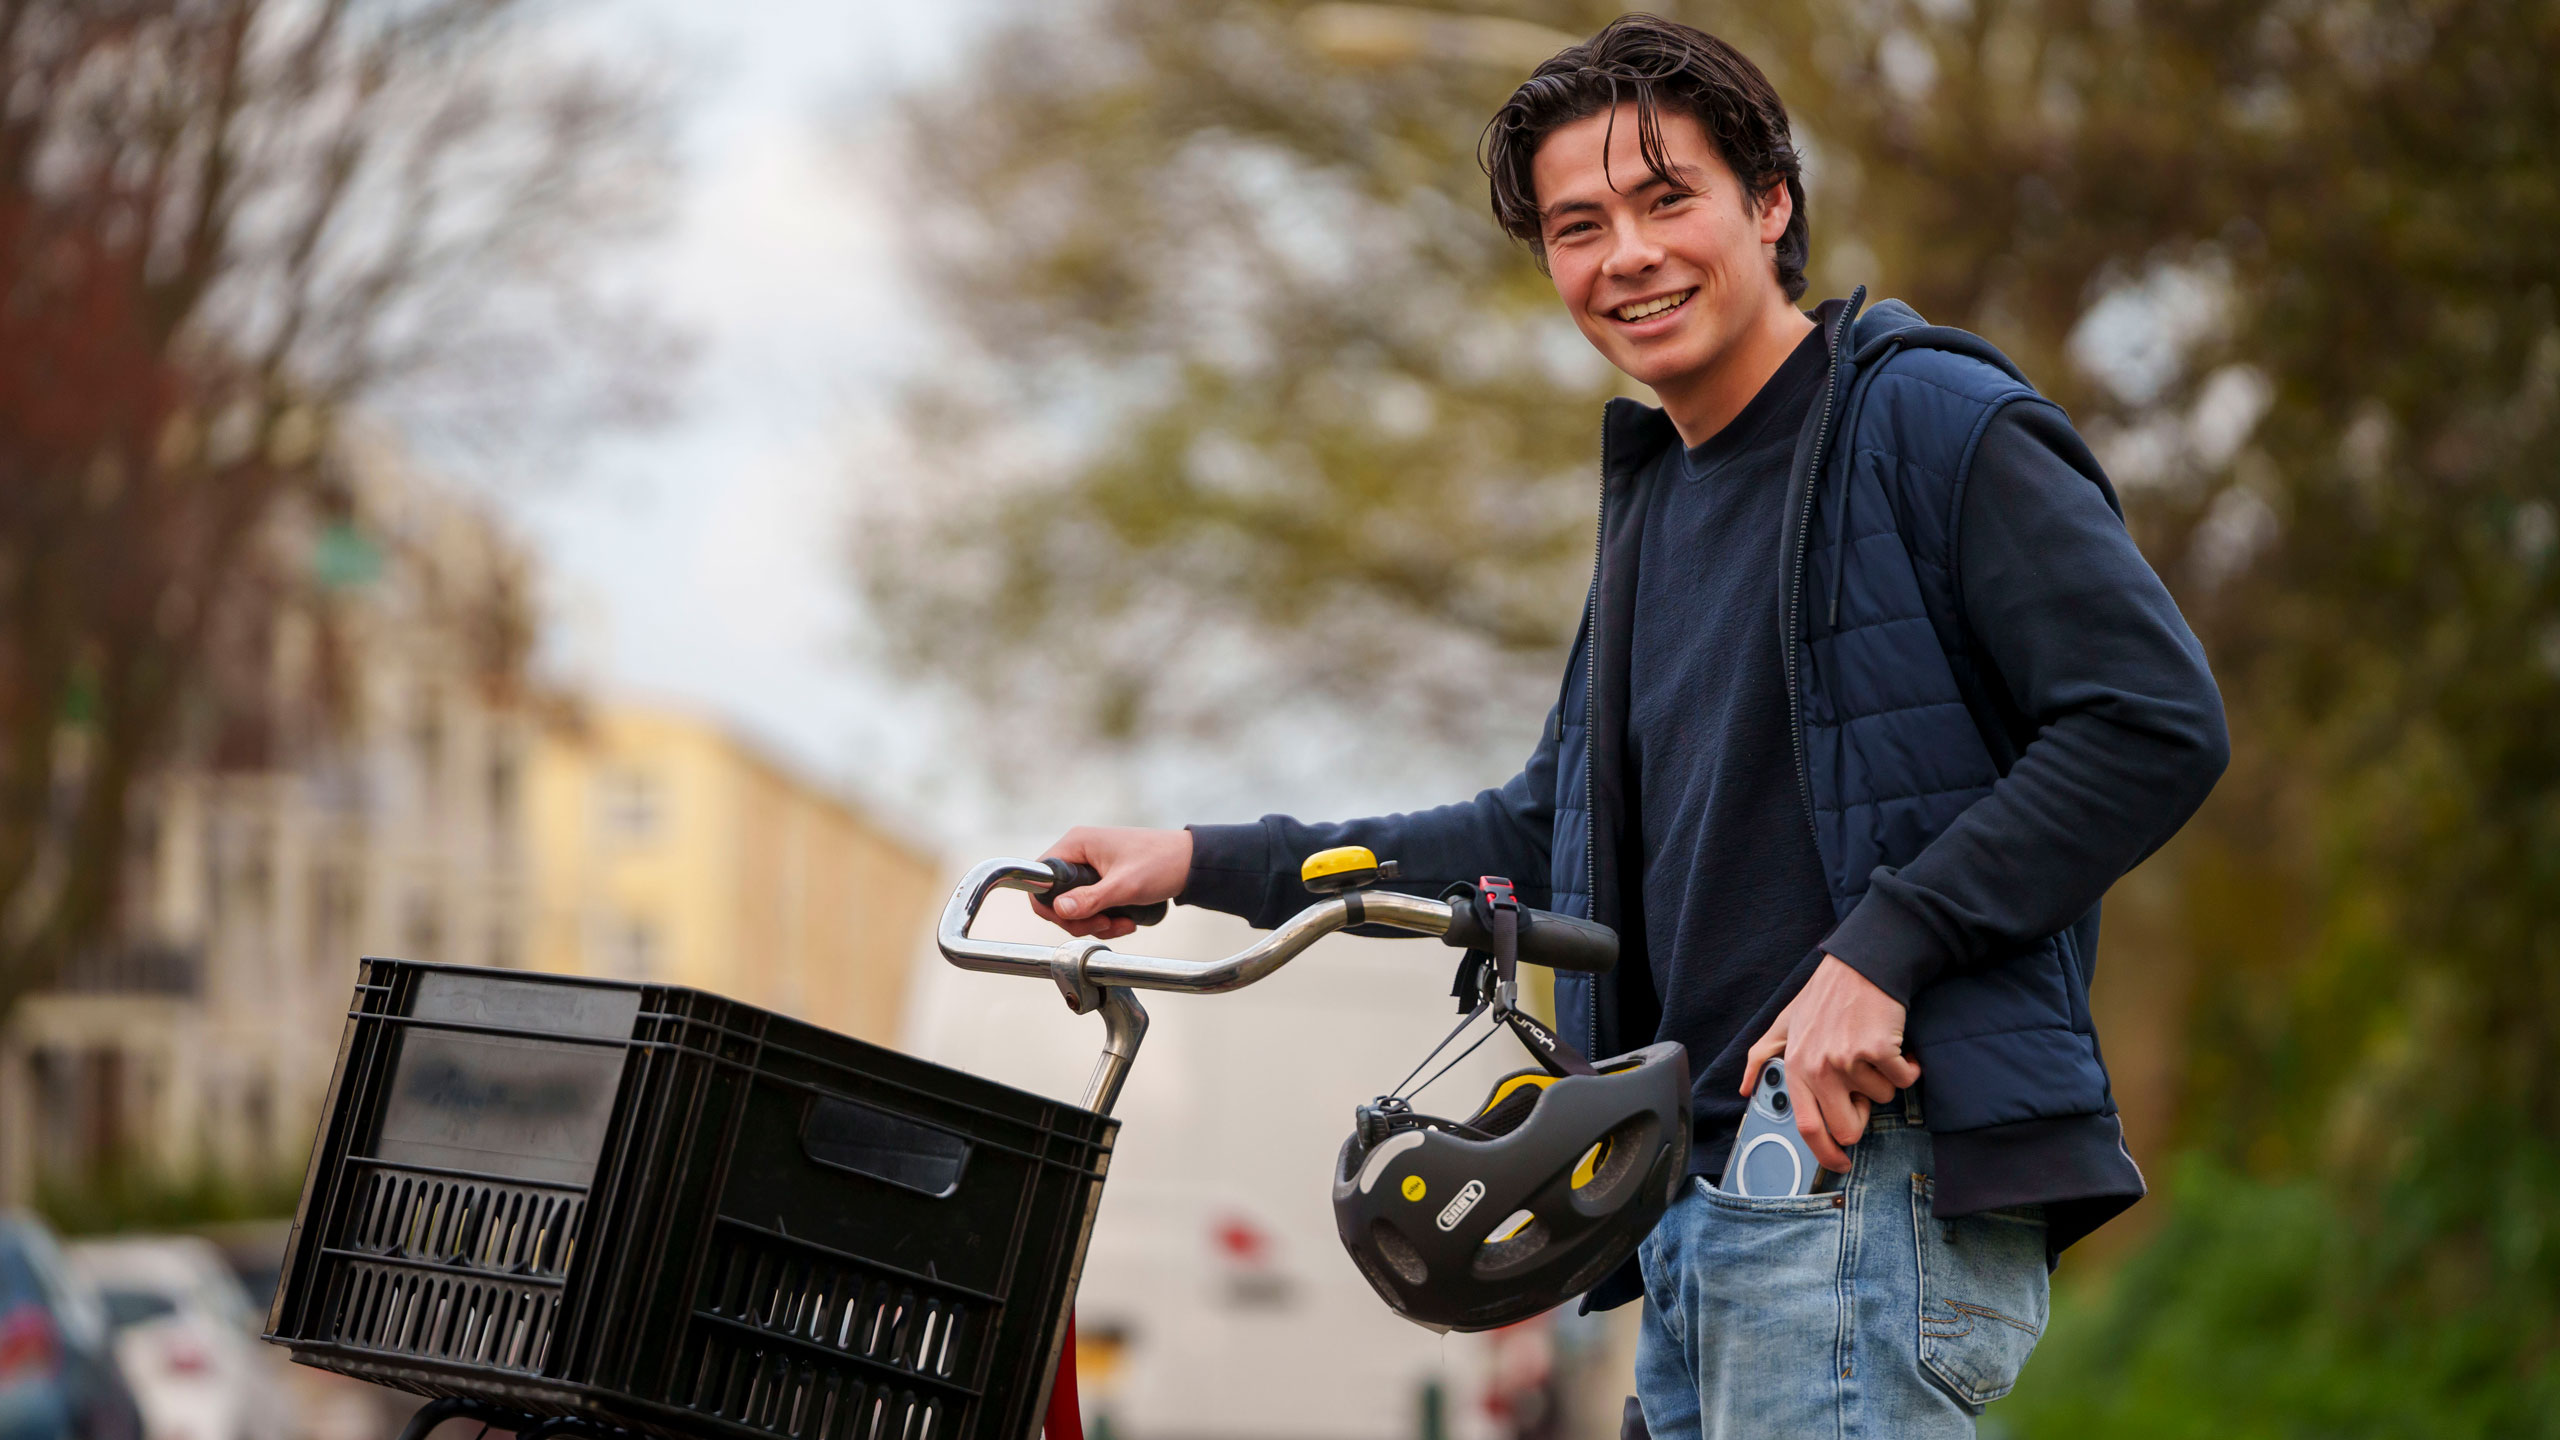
133	1197
2268	1310
1253	366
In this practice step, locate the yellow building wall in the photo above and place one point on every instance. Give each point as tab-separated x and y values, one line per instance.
666	850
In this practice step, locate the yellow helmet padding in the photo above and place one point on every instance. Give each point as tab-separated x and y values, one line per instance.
1509	1084
1590	1165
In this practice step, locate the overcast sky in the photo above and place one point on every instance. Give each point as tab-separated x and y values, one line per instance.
699	561
703	561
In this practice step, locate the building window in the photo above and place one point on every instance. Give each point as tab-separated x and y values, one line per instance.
426	737
628	804
628	948
502	791
422	929
337	903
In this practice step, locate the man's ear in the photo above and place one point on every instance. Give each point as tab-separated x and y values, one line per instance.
1775	208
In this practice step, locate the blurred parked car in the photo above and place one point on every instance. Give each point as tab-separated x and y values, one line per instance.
186	1339
58	1374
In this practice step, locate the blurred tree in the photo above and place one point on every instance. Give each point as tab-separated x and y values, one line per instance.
1250	381
2329	227
222	222
1250	378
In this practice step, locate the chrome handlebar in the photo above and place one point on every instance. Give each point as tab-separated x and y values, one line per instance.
1104	966
1092	976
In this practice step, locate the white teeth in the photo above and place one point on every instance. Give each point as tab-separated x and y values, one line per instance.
1651	307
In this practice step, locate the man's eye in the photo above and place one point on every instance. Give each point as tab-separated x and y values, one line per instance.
1575	228
1673	197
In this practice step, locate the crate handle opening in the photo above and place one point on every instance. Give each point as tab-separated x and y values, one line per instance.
849	1135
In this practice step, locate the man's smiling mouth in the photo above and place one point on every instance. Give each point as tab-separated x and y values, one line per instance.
1647	309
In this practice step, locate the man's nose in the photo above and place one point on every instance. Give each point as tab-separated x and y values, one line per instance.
1632	250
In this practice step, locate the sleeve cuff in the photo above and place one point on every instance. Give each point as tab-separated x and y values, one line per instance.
1887	944
1230	868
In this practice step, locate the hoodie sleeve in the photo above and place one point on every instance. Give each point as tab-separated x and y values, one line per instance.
2123	723
1252	870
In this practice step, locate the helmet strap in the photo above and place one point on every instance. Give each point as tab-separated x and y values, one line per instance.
1486	980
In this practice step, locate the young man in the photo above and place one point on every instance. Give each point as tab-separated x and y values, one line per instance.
1873	699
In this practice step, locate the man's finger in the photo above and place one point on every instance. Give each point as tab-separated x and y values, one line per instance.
1769	1047
1902	1070
1871	1084
1844	1113
1071	924
1815	1126
1817	1138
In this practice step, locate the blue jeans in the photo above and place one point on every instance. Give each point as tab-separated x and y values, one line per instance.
1850	1316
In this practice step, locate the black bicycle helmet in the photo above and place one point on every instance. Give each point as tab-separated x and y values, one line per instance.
1537	1197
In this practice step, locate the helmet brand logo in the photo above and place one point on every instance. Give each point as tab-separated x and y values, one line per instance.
1414	1189
1467	1197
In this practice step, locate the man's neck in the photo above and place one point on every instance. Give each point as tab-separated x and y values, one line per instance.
1705	401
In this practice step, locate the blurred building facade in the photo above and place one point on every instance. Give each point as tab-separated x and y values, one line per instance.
403	791
368	800
664	848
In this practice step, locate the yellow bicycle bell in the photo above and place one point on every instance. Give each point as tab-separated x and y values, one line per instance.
1344	867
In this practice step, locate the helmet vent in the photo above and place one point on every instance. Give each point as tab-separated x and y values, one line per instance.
1399	1253
1617	1169
1524	1238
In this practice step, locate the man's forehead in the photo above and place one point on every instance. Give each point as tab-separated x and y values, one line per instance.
1569	165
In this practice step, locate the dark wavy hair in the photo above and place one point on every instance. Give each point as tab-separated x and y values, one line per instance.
1650	62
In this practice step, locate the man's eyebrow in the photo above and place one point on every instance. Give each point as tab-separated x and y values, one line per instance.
1568	207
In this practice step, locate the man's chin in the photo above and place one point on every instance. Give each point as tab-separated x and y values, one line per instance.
1658	373
1662	362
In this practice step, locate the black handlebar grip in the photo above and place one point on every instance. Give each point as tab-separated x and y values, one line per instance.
1558	942
1561	942
1073	876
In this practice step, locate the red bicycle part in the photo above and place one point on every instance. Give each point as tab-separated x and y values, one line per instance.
1065	1420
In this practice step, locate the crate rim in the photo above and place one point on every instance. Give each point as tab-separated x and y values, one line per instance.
599	982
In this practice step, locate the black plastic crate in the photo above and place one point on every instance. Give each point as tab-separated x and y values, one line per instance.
679	1214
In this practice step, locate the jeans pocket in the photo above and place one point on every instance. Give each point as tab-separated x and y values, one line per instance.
1983	1295
1828	1203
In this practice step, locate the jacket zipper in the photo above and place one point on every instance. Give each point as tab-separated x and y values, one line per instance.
1591	722
1795	584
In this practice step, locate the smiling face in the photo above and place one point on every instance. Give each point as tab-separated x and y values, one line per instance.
1670	280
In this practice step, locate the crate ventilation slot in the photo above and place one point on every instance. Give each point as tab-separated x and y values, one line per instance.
442	1317
806	1400
483	1224
888	1320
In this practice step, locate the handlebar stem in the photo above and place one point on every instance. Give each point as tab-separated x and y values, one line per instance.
1124	1028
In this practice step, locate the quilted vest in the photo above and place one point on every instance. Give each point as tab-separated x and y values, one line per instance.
1893	750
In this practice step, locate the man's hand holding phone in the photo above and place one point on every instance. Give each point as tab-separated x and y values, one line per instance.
1139	867
1842	1039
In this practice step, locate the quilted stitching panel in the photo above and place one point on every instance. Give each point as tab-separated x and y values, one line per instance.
2027	989
2002	1079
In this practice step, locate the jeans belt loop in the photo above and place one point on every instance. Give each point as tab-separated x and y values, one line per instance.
1911	1116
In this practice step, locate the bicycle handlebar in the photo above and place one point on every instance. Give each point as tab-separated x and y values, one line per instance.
1557	941
1094	977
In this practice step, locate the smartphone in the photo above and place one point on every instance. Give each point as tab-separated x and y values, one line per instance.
1769	1157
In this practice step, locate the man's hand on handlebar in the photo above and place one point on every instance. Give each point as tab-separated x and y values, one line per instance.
1139	867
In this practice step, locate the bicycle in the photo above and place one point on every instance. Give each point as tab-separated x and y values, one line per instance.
650	1291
